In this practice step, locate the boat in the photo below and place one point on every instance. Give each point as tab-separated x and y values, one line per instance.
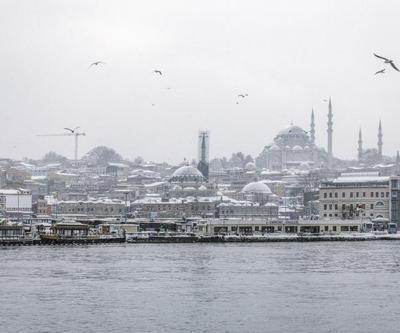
76	232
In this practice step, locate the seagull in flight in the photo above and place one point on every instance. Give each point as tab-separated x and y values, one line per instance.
157	71
382	71
243	95
71	130
387	61
96	63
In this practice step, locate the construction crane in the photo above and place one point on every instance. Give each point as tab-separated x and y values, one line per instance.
71	132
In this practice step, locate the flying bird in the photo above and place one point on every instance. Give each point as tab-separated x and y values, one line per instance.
96	63
387	61
157	71
243	95
71	130
382	71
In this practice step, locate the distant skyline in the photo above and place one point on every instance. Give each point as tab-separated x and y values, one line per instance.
287	56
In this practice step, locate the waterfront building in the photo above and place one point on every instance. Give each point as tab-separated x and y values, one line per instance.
15	202
354	195
102	207
395	200
246	209
238	226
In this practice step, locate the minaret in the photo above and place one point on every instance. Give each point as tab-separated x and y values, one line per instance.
398	164
330	131
360	149
312	128
380	143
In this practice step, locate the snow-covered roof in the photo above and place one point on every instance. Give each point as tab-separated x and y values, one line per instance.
256	187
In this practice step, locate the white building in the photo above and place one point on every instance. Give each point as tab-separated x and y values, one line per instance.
14	202
352	195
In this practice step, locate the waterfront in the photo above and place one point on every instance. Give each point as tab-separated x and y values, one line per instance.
266	287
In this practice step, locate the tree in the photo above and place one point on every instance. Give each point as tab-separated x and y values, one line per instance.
138	160
102	155
53	157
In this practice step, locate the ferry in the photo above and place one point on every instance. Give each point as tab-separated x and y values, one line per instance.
76	232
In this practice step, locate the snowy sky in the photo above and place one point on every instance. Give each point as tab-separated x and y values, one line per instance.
287	55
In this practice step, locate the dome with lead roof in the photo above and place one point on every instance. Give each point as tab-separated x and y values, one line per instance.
256	187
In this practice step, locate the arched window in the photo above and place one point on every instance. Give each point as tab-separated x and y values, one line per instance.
379	204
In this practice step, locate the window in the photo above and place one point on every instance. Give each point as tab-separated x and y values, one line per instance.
351	194
324	215
382	194
364	194
325	195
330	215
372	194
387	194
330	194
343	194
325	206
336	207
377	194
334	228
330	206
343	206
379	203
372	206
326	228
336	194
357	194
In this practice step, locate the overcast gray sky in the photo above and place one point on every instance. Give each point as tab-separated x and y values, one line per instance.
287	55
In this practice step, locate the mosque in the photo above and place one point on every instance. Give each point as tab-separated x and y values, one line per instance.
293	147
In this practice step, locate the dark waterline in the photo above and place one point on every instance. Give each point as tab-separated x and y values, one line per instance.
268	287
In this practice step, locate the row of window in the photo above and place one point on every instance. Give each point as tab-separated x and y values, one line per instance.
337	215
352	206
357	194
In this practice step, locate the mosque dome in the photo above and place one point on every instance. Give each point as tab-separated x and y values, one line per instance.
186	173
291	130
297	147
256	187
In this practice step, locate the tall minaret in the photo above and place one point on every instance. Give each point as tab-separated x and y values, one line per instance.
312	128
398	164
380	143
330	131
360	149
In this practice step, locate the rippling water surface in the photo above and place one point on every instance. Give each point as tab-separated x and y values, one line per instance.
271	287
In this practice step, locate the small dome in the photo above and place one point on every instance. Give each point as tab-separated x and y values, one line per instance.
274	147
307	148
256	187
297	148
202	188
186	173
250	166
